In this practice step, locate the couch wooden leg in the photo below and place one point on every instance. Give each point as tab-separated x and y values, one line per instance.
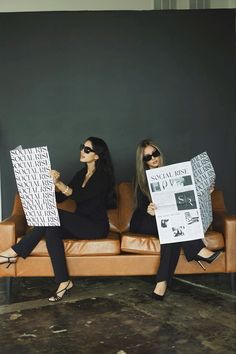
8	288
233	282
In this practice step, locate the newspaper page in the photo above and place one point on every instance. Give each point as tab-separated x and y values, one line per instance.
174	192
204	177
35	186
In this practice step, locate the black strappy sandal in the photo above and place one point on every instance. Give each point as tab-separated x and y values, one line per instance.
8	260
56	297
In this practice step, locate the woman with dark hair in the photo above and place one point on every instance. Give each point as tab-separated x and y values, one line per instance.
93	190
149	155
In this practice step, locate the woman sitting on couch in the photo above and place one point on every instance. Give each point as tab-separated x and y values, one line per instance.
93	190
149	155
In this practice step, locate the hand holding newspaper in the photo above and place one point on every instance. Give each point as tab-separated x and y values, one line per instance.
181	193
35	186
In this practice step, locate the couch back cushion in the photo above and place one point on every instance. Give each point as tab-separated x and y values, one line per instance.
17	206
126	205
219	210
217	199
67	205
119	218
70	205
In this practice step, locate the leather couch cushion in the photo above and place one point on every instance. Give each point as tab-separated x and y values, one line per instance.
107	246
142	244
149	244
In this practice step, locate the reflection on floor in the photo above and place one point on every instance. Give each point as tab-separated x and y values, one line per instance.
117	315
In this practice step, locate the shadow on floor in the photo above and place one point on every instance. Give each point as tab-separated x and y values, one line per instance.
118	315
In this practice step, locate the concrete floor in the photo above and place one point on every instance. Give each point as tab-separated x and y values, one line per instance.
117	315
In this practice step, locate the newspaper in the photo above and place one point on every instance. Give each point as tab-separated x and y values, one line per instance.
181	193
204	177
35	186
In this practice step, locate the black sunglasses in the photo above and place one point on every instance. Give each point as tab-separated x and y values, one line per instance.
148	157
86	149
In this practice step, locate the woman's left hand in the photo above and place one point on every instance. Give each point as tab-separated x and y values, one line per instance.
55	176
212	187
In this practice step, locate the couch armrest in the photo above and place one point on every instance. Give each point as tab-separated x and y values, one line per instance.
218	223
226	224
230	242
10	229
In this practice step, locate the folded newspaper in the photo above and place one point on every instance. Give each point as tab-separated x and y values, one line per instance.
181	193
35	186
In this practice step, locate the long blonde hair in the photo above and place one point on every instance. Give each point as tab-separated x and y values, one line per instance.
141	167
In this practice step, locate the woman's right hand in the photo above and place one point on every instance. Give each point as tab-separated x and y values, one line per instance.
151	209
55	176
212	187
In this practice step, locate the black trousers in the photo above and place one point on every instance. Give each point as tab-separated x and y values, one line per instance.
144	223
170	254
72	226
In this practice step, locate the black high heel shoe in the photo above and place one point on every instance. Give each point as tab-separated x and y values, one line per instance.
8	260
56	297
209	260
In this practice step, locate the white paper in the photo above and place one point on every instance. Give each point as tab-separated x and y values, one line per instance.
204	176
181	194
35	186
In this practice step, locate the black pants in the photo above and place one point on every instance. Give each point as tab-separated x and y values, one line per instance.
144	223
54	241
170	254
72	226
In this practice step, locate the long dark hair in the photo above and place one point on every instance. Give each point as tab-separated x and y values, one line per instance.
105	164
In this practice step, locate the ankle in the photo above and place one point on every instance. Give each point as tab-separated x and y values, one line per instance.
65	284
13	253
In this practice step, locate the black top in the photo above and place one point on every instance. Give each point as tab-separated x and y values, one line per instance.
91	200
141	221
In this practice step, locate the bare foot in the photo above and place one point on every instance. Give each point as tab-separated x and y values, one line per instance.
160	288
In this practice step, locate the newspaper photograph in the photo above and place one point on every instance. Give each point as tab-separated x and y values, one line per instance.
178	195
35	186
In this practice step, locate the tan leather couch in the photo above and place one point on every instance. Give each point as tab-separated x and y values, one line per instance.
122	253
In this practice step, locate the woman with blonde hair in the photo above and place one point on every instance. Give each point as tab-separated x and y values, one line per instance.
148	156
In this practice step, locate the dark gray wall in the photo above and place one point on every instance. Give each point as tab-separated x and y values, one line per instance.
122	76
